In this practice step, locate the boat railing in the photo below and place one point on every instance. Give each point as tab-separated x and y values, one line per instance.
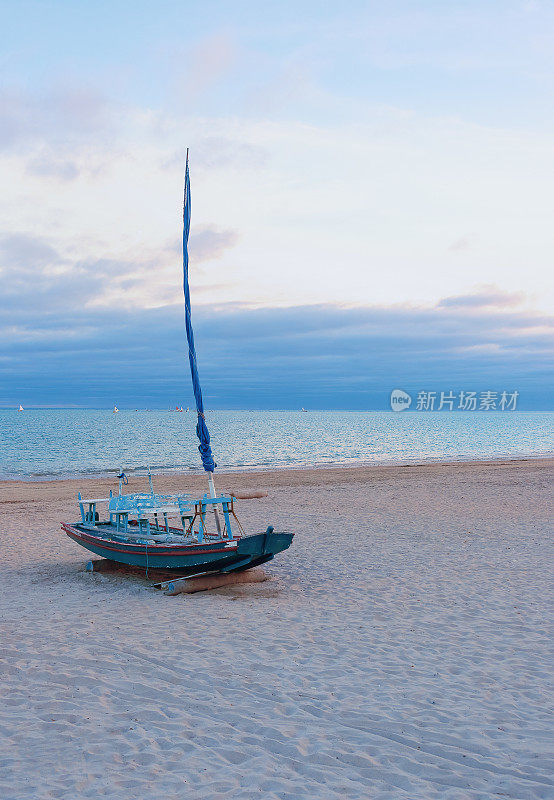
151	512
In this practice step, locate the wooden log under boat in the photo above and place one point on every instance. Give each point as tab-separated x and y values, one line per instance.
202	583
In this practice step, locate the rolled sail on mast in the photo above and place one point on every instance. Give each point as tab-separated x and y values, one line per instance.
201	427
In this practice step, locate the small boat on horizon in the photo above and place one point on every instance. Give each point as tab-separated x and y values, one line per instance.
115	409
20	408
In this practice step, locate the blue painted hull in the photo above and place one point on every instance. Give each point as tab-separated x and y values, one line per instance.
224	556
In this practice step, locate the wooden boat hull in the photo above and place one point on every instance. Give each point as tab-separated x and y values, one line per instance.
222	556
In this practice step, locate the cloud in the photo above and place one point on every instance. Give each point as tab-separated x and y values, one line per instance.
327	356
23	250
324	203
209	241
35	273
61	168
488	297
61	117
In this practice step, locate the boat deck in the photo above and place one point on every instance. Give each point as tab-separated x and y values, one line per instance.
133	535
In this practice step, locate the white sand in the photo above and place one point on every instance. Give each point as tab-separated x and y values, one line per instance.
402	649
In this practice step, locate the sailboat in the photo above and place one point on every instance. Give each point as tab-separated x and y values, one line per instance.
115	409
20	408
194	534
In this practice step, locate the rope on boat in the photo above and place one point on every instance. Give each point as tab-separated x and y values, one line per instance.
238	521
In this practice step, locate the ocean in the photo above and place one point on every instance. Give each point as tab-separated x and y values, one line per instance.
58	443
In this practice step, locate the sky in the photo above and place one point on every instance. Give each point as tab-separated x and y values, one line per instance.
372	201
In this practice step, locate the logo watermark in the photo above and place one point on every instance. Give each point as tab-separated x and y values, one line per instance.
400	400
455	401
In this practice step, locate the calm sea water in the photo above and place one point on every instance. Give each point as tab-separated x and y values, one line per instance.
58	443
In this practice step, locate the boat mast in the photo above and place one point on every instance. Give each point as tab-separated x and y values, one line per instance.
201	427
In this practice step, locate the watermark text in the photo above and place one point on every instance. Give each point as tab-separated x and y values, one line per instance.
488	400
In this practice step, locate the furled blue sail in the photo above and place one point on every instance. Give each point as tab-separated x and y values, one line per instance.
201	427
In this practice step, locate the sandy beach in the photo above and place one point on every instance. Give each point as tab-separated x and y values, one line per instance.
401	649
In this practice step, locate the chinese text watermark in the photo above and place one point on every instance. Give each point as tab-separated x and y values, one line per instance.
455	401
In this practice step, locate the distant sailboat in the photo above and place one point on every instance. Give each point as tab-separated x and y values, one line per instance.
304	410
20	408
115	409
